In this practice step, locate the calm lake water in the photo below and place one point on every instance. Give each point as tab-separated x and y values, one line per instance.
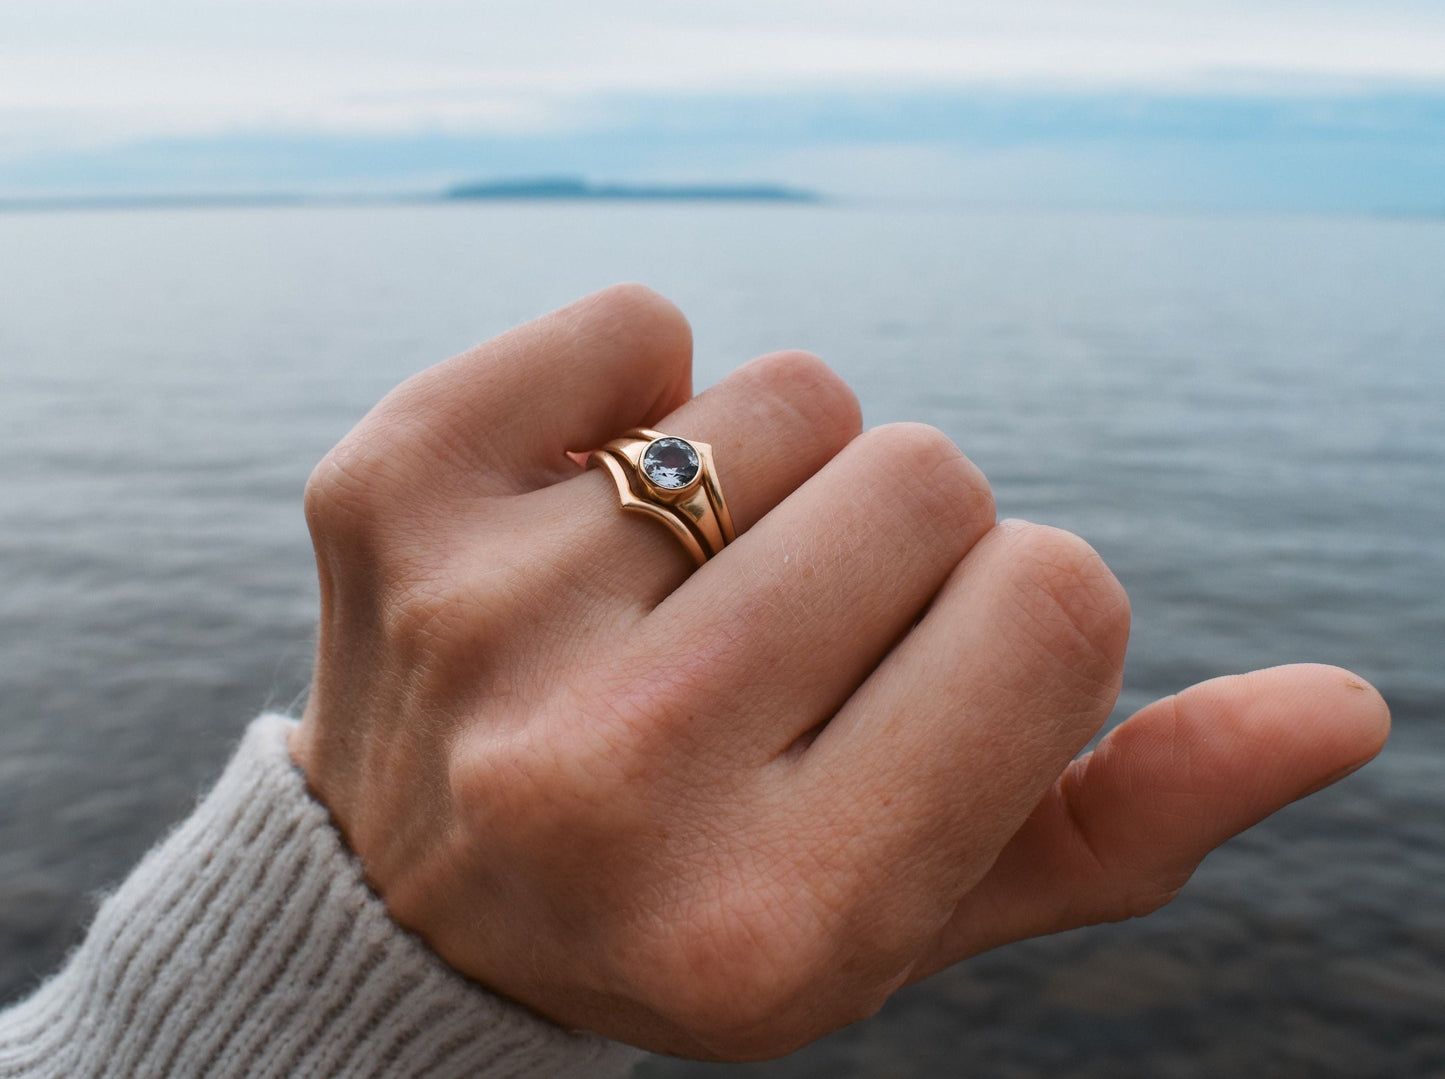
1246	415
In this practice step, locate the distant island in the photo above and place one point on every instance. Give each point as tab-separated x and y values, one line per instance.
555	188
566	187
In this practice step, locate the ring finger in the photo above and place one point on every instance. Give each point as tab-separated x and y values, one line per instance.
772	424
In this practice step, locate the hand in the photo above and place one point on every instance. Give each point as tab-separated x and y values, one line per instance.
721	812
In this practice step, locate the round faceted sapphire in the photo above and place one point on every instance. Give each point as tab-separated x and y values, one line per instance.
670	462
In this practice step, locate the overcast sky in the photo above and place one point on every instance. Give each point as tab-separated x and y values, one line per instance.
93	77
72	68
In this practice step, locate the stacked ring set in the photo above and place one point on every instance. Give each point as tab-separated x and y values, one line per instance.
672	480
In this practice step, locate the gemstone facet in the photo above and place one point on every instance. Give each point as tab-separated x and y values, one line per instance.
670	462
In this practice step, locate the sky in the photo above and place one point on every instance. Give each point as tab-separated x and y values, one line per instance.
1271	104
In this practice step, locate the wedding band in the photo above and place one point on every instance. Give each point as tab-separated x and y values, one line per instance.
672	480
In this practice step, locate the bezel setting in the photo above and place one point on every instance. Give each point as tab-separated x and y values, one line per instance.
691	465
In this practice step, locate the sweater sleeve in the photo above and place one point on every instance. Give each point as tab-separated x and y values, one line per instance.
247	943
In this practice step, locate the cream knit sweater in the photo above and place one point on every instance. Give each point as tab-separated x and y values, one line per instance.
248	944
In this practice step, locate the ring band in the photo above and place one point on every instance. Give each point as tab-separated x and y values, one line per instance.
672	480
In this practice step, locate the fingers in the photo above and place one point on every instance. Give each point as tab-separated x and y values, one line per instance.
772	424
797	612
501	416
1124	827
939	756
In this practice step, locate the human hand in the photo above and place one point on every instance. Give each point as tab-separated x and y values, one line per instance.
721	812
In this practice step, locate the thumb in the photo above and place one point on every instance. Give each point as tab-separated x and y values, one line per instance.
1126	825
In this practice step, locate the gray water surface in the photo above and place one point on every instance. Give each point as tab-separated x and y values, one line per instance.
1245	415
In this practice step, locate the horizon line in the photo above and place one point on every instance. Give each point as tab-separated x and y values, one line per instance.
521	189
288	199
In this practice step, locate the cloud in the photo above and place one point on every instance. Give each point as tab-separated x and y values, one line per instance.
1198	102
74	71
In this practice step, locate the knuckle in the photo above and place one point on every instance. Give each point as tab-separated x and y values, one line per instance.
421	612
511	793
635	296
530	793
340	493
371	477
640	324
1129	891
812	389
482	790
1120	884
1068	591
636	306
764	966
1153	895
655	679
642	714
942	488
558	785
441	621
738	984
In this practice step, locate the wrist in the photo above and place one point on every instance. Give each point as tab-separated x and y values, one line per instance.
249	942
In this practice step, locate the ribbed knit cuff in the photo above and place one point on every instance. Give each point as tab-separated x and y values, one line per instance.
248	944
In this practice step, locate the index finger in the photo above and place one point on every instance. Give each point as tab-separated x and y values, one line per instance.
508	410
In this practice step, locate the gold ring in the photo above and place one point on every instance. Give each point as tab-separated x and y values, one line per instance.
672	480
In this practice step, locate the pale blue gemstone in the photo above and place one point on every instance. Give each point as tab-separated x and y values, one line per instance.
670	462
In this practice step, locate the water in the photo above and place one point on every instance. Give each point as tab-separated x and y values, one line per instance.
1245	415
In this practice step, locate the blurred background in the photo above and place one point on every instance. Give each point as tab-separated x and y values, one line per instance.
1172	273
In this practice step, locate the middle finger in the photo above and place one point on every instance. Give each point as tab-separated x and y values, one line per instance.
774	634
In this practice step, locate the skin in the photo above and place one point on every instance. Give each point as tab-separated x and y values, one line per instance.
721	812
